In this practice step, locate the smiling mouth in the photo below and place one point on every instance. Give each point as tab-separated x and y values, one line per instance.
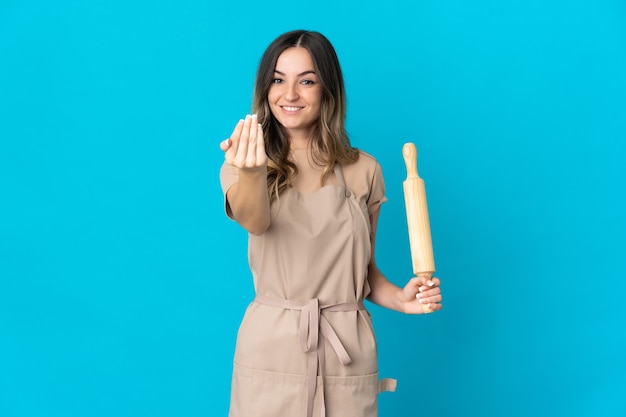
292	108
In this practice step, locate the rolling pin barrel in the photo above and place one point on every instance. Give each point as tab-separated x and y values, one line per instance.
417	215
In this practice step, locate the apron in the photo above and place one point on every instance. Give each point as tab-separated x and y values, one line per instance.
306	345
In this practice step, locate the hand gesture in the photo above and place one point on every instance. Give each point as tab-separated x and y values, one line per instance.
245	149
422	295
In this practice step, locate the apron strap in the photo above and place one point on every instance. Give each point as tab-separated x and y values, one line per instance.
342	181
387	385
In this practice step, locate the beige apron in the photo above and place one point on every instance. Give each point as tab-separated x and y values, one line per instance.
306	346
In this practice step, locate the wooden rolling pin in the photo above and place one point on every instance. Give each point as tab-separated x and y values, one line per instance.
417	218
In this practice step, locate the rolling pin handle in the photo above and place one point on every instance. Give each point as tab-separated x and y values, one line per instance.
410	159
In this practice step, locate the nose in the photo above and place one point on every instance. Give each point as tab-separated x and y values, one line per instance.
292	92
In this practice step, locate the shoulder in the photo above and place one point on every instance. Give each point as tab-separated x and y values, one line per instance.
365	178
365	167
364	175
367	158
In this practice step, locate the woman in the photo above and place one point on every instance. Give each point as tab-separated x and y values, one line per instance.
310	202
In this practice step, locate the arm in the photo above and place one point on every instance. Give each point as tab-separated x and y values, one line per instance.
248	199
419	290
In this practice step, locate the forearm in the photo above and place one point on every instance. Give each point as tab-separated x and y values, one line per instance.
249	201
383	292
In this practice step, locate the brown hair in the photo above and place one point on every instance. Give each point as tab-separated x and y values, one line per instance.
330	143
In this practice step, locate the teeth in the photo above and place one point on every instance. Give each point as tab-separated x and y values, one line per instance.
288	108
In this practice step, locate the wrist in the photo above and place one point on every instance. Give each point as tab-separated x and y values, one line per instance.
253	172
253	175
401	301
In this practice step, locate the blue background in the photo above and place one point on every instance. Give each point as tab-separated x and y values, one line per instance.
122	283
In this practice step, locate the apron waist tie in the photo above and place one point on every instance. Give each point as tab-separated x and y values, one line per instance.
313	329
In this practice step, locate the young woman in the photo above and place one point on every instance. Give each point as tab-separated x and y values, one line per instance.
310	202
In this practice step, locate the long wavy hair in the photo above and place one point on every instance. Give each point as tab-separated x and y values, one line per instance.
329	141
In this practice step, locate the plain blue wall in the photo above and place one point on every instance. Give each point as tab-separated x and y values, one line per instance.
122	283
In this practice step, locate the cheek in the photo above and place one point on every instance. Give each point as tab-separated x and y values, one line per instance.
272	95
273	107
318	103
317	99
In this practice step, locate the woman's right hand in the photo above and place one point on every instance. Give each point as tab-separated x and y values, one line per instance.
245	149
248	199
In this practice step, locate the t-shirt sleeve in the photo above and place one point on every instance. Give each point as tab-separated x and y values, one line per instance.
377	190
229	176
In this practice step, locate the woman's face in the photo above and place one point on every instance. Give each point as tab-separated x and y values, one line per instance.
295	95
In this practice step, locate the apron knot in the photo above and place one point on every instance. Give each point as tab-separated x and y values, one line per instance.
314	327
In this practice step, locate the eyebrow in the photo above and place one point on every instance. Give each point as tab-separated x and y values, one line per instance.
299	75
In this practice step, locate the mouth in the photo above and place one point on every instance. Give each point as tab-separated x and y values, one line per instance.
292	108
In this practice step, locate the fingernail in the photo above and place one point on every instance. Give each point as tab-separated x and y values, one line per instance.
422	288
254	115
421	301
430	283
419	295
248	117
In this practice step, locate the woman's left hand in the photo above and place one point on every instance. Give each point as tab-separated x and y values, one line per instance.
421	295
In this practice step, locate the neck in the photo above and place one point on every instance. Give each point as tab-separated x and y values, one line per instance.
299	141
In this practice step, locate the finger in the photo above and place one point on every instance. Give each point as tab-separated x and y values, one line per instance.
432	308
432	299
234	142
426	279
429	283
435	306
251	153
415	282
427	295
411	288
242	150
426	309
429	292
261	156
226	144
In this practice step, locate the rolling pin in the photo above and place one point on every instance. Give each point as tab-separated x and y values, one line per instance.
418	223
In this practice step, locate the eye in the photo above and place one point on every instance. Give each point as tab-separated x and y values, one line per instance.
307	82
277	81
